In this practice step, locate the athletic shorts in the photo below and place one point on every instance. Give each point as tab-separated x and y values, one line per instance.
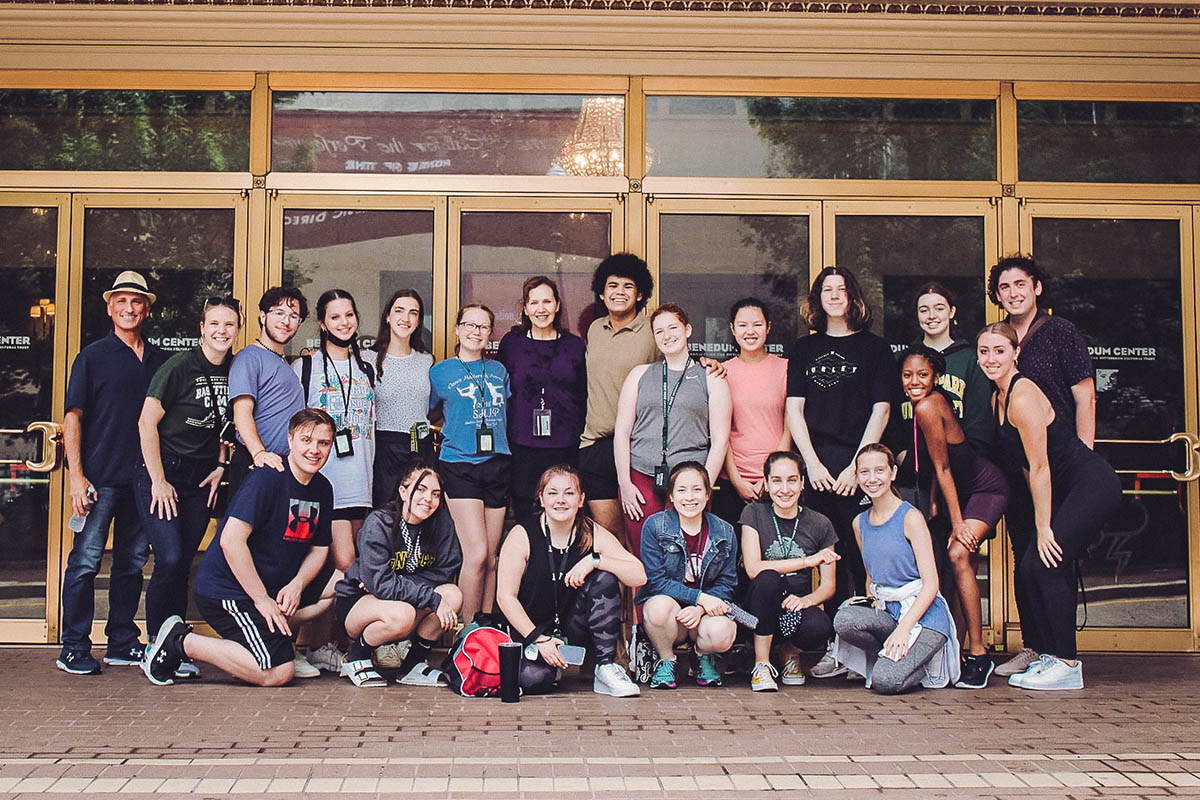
352	513
488	481
598	470
343	603
239	621
310	594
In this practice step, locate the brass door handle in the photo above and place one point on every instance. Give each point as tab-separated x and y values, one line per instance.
1191	470
52	446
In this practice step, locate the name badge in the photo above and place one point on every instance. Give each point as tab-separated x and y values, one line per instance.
541	422
343	443
661	473
485	441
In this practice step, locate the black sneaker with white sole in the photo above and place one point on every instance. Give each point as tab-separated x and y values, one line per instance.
975	672
166	651
77	662
130	656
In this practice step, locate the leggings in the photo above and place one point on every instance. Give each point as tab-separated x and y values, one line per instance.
593	621
764	600
1081	507
869	628
841	511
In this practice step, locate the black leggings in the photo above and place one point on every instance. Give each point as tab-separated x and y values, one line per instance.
764	600
841	511
593	621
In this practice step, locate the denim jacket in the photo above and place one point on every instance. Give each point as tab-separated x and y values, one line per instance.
664	556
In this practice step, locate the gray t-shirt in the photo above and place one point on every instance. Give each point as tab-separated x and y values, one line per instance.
402	391
687	437
814	532
265	376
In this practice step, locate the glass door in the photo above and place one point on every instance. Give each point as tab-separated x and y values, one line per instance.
1124	275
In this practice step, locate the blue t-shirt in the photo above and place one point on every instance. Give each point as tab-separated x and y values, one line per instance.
267	377
108	385
287	520
455	385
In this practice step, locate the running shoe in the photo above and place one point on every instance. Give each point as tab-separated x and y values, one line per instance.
828	666
166	651
975	672
130	656
664	674
1017	664
187	670
363	675
707	673
77	662
303	669
611	680
328	658
762	677
1036	666
1054	675
793	673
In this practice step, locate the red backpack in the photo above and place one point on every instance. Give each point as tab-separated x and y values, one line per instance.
472	665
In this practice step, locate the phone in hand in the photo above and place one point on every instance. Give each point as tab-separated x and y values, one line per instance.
572	654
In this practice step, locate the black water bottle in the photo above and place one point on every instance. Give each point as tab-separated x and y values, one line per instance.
510	671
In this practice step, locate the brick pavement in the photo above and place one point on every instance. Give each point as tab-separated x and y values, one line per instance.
1135	731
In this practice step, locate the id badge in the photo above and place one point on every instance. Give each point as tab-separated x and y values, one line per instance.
541	422
343	443
485	441
660	478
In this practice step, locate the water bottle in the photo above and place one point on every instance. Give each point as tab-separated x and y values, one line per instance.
77	521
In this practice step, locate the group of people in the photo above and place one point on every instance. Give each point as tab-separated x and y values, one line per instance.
833	500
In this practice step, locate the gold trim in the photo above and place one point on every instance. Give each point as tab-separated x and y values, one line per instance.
445	184
449	82
155	80
822	87
119	181
1079	90
805	188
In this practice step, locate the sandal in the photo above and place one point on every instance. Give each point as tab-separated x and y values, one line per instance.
363	675
423	675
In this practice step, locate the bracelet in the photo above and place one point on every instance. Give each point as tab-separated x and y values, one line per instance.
595	561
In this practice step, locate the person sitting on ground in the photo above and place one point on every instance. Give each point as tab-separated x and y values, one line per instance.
691	570
782	542
255	583
401	584
559	582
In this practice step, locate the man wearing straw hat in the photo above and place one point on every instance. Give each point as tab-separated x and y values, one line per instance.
105	393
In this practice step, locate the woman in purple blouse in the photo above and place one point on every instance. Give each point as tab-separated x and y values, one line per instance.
548	375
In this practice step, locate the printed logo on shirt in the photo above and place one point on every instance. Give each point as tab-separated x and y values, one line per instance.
783	548
827	370
303	516
399	561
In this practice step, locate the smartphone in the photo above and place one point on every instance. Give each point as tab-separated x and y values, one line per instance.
572	654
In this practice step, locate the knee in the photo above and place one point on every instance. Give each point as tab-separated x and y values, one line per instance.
276	676
716	634
604	583
815	629
766	582
659	611
399	619
960	557
885	680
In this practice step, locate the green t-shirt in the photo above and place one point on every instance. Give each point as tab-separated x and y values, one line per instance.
188	386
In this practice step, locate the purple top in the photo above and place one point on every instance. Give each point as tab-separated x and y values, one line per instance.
1056	358
559	367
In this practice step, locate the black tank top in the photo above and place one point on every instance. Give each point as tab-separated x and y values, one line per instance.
541	591
1064	450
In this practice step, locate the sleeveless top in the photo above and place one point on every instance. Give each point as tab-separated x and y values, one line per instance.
965	462
888	556
687	436
538	592
1064	451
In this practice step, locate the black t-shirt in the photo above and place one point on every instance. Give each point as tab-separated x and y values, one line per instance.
287	519
814	532
194	393
840	378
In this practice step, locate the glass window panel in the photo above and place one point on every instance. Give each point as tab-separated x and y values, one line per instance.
464	134
1108	141
821	137
28	254
500	249
126	130
709	261
368	253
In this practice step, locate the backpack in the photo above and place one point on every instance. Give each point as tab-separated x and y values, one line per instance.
472	665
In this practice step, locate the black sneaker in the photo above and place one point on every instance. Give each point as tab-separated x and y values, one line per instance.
77	662
975	672
166	651
130	656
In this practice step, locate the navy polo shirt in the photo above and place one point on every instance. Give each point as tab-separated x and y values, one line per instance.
108	385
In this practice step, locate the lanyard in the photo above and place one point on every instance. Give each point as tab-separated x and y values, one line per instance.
557	571
667	403
481	382
344	389
779	536
545	365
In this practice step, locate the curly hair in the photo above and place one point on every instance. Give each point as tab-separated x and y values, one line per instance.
1024	263
624	265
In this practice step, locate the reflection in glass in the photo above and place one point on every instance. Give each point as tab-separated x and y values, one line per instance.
368	253
127	130
1119	281
1108	141
500	249
709	261
28	254
821	137
430	133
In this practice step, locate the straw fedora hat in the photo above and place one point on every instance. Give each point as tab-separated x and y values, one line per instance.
130	281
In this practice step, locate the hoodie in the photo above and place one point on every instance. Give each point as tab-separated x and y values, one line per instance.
970	394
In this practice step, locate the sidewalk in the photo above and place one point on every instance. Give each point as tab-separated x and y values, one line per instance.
1134	732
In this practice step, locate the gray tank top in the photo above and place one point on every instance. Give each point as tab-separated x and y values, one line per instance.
687	437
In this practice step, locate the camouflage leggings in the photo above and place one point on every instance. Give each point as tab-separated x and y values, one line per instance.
593	621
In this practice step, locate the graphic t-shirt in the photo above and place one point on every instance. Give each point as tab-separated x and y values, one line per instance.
329	386
194	393
456	386
267	378
287	519
695	544
814	532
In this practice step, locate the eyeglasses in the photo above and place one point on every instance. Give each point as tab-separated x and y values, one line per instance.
471	327
284	315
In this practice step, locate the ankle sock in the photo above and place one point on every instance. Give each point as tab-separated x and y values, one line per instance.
418	652
359	650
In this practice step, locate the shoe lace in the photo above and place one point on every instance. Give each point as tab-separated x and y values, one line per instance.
762	667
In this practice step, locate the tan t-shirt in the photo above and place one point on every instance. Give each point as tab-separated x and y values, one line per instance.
611	355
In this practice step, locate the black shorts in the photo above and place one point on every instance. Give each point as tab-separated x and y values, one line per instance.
312	593
529	463
598	470
239	621
488	481
352	513
343	603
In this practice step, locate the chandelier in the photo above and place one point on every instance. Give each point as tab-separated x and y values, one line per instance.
597	145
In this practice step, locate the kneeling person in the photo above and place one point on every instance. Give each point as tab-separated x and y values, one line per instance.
401	584
251	585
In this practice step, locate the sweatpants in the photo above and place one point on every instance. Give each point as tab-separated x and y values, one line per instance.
593	622
764	599
868	628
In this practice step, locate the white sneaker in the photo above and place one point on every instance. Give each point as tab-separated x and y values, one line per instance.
303	668
612	680
1017	664
392	654
762	677
424	675
828	666
793	673
328	658
1054	675
1035	666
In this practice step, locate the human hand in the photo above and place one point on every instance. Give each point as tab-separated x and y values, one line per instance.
265	458
847	481
793	603
819	477
548	650
631	500
714	367
690	617
826	555
270	611
288	598
1048	548
578	573
712	606
895	646
81	495
963	534
213	482
163	500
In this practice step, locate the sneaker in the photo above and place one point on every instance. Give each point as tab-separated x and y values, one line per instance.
793	673
762	677
302	668
391	655
328	658
363	675
707	673
851	675
187	670
166	651
1055	675
664	674
130	656
610	679
975	672
77	662
828	666
1036	666
1018	663
424	675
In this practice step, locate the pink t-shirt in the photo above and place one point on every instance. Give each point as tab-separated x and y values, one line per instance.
759	392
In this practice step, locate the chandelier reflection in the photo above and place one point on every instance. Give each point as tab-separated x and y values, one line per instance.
597	145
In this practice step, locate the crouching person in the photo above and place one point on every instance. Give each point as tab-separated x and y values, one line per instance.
559	582
253	585
401	584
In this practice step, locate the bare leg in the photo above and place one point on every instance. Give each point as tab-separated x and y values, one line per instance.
235	659
471	525
660	625
608	515
714	635
762	648
494	522
964	562
381	621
